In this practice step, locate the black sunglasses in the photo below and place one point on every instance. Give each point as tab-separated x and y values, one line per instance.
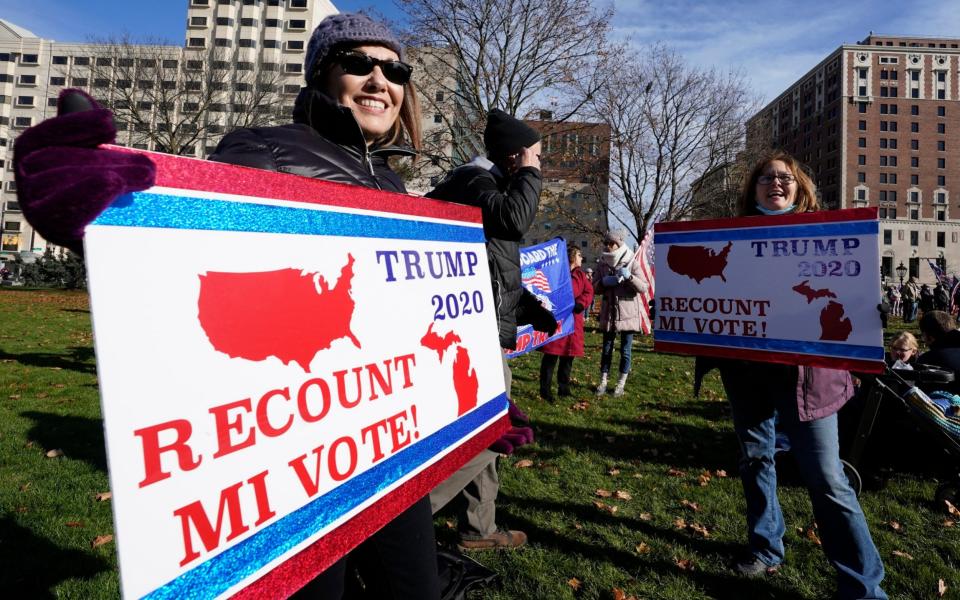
358	63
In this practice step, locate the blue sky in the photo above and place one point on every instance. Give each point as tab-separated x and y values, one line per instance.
771	42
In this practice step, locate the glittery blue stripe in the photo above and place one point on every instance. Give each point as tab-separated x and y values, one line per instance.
235	564
752	343
141	209
764	233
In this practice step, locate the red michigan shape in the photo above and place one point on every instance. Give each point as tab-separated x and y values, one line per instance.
276	313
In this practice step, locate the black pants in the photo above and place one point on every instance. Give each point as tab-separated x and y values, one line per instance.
399	562
547	365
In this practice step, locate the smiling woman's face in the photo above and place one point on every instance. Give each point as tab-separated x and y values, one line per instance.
374	100
777	194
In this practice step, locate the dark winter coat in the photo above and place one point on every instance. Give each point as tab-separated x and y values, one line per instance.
819	392
945	353
324	142
508	206
572	345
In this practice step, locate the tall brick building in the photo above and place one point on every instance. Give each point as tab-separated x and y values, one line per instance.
878	122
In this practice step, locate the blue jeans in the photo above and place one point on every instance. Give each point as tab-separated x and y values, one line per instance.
815	446
626	351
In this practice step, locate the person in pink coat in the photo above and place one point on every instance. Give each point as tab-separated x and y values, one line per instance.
566	348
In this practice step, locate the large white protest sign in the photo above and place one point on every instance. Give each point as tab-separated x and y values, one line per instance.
798	289
285	365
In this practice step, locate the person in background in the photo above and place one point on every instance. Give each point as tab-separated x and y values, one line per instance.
359	103
619	282
589	309
910	293
802	402
893	297
939	332
926	303
903	351
566	348
506	186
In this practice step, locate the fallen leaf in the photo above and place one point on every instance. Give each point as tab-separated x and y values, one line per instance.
676	473
74	524
525	463
584	405
720	473
577	526
55	453
101	540
899	554
704	478
103	496
574	583
949	523
645	516
59	386
450	524
941	588
42	395
604	493
813	537
14	396
685	564
619	594
952	509
643	548
895	526
699	529
638	475
25	487
691	505
622	495
606	507
613	472
680	523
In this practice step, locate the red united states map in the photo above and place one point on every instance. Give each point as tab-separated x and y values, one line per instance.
287	313
698	262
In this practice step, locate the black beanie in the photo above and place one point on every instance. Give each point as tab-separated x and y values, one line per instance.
506	135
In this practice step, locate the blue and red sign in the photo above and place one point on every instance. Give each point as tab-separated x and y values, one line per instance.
797	289
545	272
285	365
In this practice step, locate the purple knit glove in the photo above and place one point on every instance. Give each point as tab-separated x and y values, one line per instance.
517	416
512	439
64	181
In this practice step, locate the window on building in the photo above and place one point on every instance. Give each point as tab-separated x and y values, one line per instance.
222	42
862	125
914	196
198	21
941	198
195	65
22	121
861	194
941	236
941	215
941	127
196	42
941	180
941	145
914	161
887	237
295	45
27	80
52	101
883	195
915	214
298	3
296	24
293	68
200	2
861	177
861	107
941	163
862	142
271	43
80	82
59	60
914	180
914	109
914	144
941	111
248	43
914	238
248	22
58	81
271	22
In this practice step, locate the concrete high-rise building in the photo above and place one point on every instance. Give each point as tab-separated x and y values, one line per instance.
878	122
239	56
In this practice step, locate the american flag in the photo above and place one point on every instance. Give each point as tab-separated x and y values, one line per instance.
937	271
644	258
536	278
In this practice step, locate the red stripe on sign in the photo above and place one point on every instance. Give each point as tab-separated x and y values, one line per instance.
301	568
207	176
823	216
787	358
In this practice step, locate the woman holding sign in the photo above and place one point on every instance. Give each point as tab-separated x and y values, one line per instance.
803	402
358	102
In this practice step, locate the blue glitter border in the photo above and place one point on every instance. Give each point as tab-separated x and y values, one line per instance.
763	233
777	345
141	209
239	562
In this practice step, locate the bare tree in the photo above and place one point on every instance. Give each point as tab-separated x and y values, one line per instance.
171	98
516	55
670	123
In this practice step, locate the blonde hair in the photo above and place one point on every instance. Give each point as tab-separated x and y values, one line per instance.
907	339
806	200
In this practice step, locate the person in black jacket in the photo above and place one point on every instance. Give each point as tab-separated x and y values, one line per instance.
940	333
357	104
506	186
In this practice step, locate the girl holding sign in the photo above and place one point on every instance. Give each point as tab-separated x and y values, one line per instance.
803	402
357	104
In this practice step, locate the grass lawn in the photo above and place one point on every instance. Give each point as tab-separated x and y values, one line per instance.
633	496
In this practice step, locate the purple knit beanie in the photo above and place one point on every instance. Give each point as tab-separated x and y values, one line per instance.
346	27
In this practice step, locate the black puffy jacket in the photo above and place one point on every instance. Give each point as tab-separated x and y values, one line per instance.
945	353
324	142
508	206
